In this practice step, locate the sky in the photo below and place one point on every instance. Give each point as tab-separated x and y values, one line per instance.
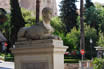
78	4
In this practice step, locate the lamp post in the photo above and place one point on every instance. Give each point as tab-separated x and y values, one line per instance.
91	47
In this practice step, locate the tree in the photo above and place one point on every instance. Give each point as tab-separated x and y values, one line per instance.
88	4
71	39
101	40
37	10
82	33
92	18
90	33
17	20
68	14
57	24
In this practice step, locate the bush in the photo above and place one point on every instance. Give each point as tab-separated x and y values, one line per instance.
71	60
57	24
90	33
29	17
71	39
101	40
98	63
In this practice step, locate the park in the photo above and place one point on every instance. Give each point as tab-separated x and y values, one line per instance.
51	34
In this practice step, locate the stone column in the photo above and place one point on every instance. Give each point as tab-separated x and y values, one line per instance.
39	54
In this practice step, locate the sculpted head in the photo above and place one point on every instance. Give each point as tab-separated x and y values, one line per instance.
47	14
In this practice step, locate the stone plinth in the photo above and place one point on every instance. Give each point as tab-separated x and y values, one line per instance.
39	54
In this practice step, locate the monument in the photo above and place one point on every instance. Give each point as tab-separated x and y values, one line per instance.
37	48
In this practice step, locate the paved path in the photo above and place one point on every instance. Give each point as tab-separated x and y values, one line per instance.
6	65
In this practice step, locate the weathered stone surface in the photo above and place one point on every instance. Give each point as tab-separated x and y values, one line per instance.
39	43
4	4
39	31
35	65
31	5
37	57
71	66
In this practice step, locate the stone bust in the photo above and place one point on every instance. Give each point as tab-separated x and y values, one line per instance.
39	31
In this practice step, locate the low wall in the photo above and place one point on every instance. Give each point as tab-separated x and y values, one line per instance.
71	66
86	65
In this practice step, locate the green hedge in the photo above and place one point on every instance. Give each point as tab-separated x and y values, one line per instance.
71	60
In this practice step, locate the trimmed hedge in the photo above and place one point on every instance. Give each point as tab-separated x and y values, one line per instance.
71	60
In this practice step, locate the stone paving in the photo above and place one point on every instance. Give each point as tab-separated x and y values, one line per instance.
6	65
10	65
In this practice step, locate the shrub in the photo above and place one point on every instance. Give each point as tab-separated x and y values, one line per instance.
98	63
101	40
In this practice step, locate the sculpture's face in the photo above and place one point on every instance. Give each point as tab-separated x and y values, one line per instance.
47	14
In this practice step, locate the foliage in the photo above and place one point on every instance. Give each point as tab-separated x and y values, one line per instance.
98	5
17	20
2	16
98	63
100	9
68	14
101	18
92	18
6	28
71	39
89	4
71	60
57	24
78	21
29	17
9	57
90	33
101	40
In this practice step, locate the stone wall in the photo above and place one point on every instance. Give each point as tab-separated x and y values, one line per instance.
71	66
86	65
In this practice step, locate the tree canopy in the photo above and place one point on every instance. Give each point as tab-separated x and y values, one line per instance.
68	14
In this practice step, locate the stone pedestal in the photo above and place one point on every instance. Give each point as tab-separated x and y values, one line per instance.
39	54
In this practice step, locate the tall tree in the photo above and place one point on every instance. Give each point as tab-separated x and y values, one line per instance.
68	14
17	20
89	3
37	10
82	34
92	18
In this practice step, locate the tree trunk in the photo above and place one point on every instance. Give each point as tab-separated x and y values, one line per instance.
82	36
37	10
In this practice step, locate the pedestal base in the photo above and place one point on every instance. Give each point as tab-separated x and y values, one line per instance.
39	56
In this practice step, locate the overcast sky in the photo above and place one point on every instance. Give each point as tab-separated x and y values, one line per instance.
78	4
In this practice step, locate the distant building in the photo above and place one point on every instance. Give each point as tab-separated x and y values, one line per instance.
31	5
